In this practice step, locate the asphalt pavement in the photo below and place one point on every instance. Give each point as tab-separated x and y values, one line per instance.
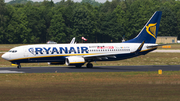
84	69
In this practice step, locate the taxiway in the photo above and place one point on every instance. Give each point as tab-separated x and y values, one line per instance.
84	69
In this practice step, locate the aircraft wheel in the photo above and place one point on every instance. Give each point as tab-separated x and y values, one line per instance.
89	65
19	66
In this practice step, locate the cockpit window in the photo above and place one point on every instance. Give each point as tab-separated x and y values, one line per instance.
13	51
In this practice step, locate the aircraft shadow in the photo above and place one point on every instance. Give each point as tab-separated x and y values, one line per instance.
102	68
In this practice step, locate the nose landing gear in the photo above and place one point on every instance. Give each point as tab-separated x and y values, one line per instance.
19	66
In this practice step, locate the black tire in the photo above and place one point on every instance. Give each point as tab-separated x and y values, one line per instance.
89	65
19	66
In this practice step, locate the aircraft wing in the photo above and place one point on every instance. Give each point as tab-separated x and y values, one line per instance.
101	56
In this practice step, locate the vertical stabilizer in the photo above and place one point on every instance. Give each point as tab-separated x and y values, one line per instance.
149	32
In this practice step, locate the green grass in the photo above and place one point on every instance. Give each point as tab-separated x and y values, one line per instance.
136	86
173	47
7	47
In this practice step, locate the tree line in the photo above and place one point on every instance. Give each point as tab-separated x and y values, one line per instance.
24	21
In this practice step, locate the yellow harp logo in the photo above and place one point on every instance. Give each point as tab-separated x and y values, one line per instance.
151	30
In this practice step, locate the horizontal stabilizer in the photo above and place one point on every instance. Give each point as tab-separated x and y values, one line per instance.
158	45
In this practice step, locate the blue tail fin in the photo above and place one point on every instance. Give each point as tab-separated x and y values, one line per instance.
149	32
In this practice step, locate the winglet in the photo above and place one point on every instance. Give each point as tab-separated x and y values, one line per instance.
73	41
139	48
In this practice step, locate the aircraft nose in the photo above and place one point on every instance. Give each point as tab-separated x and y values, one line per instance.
5	56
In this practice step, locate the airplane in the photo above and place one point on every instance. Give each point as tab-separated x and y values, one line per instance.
81	53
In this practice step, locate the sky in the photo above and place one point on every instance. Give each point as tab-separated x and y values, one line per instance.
100	1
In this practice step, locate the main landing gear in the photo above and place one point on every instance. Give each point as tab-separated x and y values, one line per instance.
89	65
19	66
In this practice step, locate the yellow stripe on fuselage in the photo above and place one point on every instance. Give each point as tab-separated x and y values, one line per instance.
53	56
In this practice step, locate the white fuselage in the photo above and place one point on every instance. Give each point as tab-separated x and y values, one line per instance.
58	52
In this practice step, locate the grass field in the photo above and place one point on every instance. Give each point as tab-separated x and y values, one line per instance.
133	86
173	47
7	47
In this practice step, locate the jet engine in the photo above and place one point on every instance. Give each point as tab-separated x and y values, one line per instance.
75	60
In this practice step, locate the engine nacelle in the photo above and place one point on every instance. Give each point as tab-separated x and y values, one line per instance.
75	60
56	63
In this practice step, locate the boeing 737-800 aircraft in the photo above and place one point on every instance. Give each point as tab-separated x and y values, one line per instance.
79	54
